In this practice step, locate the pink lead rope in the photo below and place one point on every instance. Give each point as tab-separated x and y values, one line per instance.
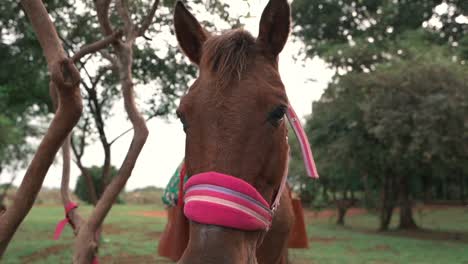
303	142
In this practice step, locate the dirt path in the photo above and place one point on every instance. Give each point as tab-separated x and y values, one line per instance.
154	214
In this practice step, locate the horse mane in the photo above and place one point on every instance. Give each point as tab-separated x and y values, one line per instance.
229	54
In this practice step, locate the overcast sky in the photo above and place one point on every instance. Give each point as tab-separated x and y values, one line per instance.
305	81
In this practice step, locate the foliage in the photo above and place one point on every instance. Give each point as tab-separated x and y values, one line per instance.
355	35
23	86
417	110
389	113
81	189
405	120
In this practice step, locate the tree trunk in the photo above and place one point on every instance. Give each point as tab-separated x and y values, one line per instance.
367	192
462	189
326	198
342	206
385	218
406	208
66	77
106	169
341	215
89	183
387	203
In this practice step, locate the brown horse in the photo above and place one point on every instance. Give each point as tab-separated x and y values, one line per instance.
233	119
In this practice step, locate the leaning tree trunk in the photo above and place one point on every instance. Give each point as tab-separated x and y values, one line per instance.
66	78
406	208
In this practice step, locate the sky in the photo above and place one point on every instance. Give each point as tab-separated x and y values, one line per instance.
304	79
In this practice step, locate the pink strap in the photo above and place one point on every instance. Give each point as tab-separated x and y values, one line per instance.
95	260
276	202
219	199
61	225
303	142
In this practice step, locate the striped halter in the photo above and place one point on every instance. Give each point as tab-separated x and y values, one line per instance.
219	199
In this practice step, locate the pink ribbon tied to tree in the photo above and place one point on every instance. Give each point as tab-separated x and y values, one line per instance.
61	225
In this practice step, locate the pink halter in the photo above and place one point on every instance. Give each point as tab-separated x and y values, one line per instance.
219	199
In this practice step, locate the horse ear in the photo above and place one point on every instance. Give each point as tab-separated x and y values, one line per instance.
189	33
274	26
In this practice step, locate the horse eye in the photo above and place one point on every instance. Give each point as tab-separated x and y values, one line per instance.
277	115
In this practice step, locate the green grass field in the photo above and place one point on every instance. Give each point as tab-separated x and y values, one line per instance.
130	237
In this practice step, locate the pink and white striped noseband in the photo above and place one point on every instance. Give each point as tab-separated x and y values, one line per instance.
219	199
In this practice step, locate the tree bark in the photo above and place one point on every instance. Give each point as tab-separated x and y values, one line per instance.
342	206
341	215
387	203
367	191
325	193
66	78
462	189
406	208
96	110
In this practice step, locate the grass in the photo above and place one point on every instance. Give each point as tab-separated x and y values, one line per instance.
130	238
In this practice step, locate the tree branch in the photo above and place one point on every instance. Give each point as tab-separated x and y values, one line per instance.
98	45
122	9
66	78
146	22
128	130
102	9
75	219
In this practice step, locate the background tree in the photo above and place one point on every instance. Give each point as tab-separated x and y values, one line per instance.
360	37
356	35
81	187
398	128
